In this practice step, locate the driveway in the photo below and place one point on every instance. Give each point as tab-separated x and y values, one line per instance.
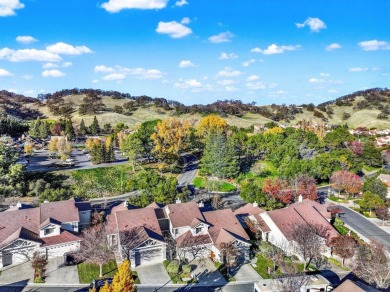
246	273
153	274
206	272
56	273
17	274
363	226
190	170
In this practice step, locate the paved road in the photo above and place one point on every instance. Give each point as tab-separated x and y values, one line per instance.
43	289
189	172
364	226
42	162
123	197
231	287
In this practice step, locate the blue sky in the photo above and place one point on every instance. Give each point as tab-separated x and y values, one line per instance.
197	51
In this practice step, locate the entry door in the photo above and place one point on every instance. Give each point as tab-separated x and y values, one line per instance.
7	259
137	256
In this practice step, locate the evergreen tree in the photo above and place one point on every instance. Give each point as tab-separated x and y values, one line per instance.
97	153
95	128
44	130
34	129
69	129
219	158
109	150
123	279
83	128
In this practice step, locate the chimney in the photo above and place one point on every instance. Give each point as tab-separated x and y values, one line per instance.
255	205
178	201
201	204
46	201
19	205
300	199
126	204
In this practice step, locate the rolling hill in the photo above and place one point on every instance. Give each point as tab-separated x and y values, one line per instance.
369	108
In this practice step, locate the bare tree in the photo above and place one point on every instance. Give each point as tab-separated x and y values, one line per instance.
273	252
254	228
344	246
94	247
382	213
229	255
372	264
290	281
309	241
216	202
191	247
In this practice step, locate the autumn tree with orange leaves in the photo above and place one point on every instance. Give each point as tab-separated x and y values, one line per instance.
171	138
346	181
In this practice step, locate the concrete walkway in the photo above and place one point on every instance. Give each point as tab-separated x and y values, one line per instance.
153	274
246	273
206	272
56	273
17	274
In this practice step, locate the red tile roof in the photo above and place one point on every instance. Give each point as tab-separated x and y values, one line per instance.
188	240
183	214
64	237
248	210
305	212
263	226
225	227
63	211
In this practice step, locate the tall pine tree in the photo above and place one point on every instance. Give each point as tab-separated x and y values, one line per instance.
95	128
83	128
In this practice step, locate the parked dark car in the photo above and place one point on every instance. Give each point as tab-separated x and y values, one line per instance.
69	260
99	283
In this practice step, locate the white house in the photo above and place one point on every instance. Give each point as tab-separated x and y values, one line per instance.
51	229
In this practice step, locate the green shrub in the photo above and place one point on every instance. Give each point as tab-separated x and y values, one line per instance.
38	280
186	269
173	267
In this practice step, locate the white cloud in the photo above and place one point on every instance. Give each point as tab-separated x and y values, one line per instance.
281	92
5	73
49	65
173	29
252	78
139	73
114	6
185	64
223	37
28	55
28	92
314	23
332	47
181	3
102	68
260	85
25	39
231	89
27	77
67	64
316	80
66	49
275	49
248	63
226	82
324	74
185	20
374	45
95	81
226	56
332	91
228	72
53	73
375	69
357	69
114	77
186	84
8	7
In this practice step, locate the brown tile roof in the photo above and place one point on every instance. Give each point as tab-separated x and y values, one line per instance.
135	219
63	211
188	240
183	214
350	286
121	207
10	222
49	220
64	237
224	226
248	210
262	225
22	233
307	211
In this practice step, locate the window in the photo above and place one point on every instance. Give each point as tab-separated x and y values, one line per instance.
113	239
198	230
49	230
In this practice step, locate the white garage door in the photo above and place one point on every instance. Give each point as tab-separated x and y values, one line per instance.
148	257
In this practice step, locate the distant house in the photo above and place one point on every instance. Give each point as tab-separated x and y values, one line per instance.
354	286
385	178
278	225
314	284
197	234
52	229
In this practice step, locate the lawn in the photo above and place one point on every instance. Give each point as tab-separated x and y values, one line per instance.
222	186
89	272
89	183
339	225
337	263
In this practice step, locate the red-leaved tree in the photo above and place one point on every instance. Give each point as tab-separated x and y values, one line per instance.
346	181
356	147
278	189
306	186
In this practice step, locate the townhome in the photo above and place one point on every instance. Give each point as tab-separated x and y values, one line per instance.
197	233
52	229
278	225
